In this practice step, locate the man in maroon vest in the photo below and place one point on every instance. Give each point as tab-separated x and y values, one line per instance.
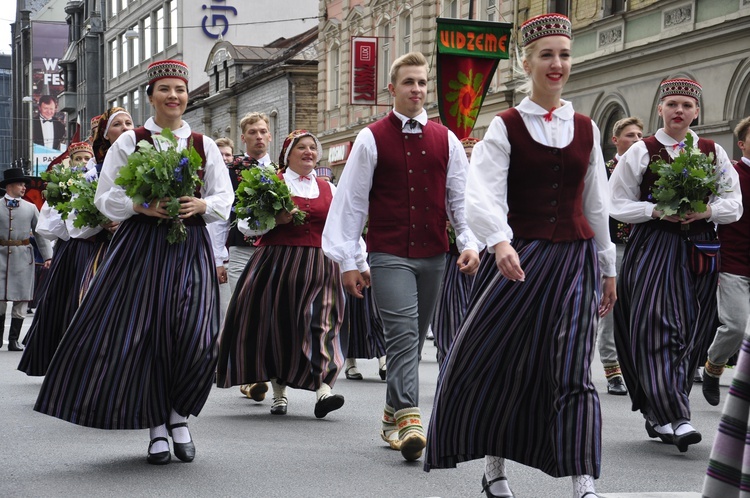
733	293
407	174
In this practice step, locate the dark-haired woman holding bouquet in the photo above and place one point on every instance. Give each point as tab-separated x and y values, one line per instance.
284	318
141	350
665	309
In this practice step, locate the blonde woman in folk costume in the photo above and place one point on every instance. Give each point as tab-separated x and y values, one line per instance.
665	310
146	331
521	361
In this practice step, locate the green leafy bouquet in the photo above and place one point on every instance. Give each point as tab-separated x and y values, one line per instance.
261	195
59	180
684	184
82	202
162	173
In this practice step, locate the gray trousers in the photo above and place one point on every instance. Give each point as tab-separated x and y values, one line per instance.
406	292
606	331
238	258
733	296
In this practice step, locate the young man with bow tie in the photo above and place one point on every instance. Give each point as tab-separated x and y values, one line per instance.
17	222
407	174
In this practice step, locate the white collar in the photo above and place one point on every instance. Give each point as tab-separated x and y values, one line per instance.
665	139
12	198
528	106
263	161
420	118
181	132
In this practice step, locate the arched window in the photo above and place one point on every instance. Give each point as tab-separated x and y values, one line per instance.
385	52
334	77
612	114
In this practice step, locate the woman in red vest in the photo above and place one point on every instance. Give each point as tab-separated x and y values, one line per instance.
284	318
140	353
666	311
517	381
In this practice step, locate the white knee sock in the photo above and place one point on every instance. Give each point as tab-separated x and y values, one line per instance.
583	484
381	362
494	467
682	426
179	434
323	391
279	391
159	446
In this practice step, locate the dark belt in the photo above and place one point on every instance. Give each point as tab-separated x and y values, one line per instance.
15	243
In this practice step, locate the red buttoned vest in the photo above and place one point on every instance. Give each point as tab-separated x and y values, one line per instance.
308	234
545	184
735	237
407	197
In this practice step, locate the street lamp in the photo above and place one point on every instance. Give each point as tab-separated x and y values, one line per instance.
30	101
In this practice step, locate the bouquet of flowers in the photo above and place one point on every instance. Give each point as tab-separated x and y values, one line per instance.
684	185
59	180
261	195
82	202
160	171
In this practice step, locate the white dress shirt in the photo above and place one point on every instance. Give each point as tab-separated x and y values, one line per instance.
625	184
350	207
84	232
216	190
487	181
50	225
48	133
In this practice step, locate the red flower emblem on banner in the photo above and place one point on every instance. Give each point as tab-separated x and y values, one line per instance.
467	98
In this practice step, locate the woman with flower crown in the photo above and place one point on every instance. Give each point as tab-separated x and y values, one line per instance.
72	264
285	315
141	350
516	383
665	311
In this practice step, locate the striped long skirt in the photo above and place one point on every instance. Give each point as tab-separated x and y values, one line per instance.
144	339
451	305
284	320
364	326
517	380
728	473
58	305
662	317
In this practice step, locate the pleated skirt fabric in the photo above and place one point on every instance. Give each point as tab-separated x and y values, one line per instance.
728	474
144	339
284	320
92	267
516	382
662	319
451	306
363	328
57	306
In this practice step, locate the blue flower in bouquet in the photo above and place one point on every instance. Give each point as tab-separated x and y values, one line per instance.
261	195
160	171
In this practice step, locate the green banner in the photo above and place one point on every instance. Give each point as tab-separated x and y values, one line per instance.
485	39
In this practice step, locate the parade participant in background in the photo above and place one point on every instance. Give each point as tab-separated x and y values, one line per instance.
226	147
18	219
72	263
665	310
286	312
517	382
625	133
324	174
454	291
221	255
733	294
232	248
146	331
407	173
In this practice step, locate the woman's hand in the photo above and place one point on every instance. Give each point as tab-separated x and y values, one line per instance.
689	217
285	217
110	226
506	259
154	208
468	262
609	296
355	282
191	206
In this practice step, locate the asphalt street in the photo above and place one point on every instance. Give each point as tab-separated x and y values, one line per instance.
243	450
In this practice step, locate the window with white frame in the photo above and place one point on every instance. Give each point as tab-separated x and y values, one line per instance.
135	109
125	52
385	53
114	61
172	22
491	10
160	33
559	7
405	24
452	10
114	7
147	32
125	102
334	77
135	52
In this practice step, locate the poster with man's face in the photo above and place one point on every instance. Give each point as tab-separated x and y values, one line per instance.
48	127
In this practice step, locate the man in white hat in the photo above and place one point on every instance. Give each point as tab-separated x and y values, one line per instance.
17	221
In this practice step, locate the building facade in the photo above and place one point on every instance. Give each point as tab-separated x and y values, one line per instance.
621	51
6	79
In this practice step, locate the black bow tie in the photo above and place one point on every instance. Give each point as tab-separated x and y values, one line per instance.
11	203
47	120
412	123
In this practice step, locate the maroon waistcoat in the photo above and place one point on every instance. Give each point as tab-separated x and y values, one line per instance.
407	197
735	237
545	184
656	150
310	233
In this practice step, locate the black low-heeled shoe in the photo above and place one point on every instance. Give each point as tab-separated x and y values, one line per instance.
486	487
183	451
682	442
161	458
326	405
653	433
